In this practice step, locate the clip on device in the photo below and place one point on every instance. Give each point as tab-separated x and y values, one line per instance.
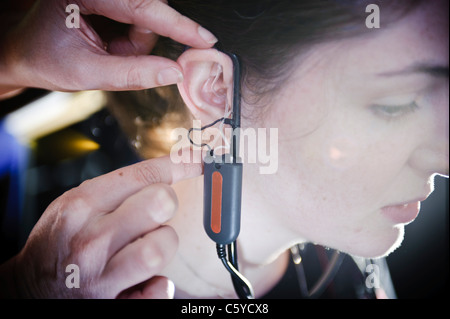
222	194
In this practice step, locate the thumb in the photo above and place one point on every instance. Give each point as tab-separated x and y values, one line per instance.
132	72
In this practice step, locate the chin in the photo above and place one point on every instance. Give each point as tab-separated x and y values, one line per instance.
376	246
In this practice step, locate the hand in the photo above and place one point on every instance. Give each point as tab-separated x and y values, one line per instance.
111	227
43	52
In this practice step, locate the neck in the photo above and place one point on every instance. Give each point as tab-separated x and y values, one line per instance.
196	270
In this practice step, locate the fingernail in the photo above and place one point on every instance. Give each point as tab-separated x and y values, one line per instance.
142	30
206	35
155	261
170	289
170	76
167	208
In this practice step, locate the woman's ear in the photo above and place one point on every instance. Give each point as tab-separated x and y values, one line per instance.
208	83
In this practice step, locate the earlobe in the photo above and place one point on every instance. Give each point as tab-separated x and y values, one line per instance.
207	84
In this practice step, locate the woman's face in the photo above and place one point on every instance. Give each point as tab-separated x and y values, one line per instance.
362	125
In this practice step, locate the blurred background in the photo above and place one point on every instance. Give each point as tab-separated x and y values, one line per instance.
51	141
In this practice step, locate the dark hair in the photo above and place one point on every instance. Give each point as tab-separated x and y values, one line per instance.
267	35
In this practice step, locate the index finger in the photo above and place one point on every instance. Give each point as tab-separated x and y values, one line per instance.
156	16
105	193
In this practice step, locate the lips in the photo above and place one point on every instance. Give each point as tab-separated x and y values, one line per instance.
402	214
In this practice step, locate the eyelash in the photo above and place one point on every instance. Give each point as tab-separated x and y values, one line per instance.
385	111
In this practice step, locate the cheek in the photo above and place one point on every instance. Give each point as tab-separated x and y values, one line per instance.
341	153
359	164
342	166
342	178
358	172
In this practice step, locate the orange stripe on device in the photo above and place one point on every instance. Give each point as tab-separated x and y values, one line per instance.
216	202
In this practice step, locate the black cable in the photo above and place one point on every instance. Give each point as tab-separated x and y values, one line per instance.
201	129
241	285
300	271
325	278
328	275
240	289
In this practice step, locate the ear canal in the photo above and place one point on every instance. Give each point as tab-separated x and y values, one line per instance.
214	85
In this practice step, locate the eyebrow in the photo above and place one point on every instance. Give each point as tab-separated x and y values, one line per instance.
438	71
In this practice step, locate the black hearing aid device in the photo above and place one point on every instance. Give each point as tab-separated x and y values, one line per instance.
223	193
222	198
223	178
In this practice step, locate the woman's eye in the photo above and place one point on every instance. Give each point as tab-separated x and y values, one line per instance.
394	111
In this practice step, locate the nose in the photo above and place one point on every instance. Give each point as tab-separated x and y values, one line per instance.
432	156
431	161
